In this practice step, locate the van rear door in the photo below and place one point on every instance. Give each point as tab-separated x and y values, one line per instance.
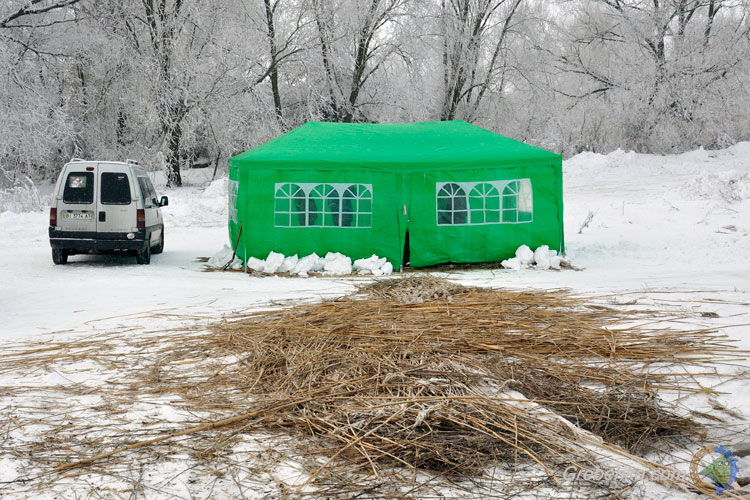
76	198
116	204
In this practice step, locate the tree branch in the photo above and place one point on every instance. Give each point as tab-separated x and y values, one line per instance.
29	10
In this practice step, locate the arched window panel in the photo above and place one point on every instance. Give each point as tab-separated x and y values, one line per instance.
510	202
451	204
323	205
319	210
299	209
348	212
287	205
356	206
525	201
487	202
484	198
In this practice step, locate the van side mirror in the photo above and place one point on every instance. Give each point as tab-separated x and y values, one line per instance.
164	201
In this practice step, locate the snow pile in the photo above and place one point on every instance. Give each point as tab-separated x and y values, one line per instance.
222	257
193	206
373	265
288	264
334	263
307	264
728	185
541	258
217	189
273	262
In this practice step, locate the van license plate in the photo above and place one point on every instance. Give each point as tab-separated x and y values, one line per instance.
77	216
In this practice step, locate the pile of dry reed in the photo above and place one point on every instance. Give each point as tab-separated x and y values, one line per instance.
424	374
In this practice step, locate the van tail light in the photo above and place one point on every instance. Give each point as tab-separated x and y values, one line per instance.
52	216
140	218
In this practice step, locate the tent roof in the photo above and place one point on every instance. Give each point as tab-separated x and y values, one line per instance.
400	147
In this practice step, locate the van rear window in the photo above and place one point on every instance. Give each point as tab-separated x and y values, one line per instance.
115	189
79	188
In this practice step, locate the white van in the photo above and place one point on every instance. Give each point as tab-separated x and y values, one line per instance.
103	206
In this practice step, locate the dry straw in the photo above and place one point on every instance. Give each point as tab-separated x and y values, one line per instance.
423	374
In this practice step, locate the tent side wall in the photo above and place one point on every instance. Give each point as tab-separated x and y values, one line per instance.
297	212
474	215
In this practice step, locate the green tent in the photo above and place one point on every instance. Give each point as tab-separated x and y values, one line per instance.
441	191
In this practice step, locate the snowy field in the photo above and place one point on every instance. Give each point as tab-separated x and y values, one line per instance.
665	231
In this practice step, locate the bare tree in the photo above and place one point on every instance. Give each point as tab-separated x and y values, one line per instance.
475	35
347	71
655	64
282	45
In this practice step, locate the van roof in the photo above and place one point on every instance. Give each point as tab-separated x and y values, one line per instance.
111	162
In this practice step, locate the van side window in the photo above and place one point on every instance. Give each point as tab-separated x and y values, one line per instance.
115	189
79	188
147	191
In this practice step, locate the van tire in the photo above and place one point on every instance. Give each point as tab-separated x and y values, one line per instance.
160	247
143	256
59	257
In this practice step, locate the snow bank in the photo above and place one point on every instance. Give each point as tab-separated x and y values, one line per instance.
194	206
23	195
288	264
305	265
541	258
728	185
223	256
370	265
217	189
334	263
273	262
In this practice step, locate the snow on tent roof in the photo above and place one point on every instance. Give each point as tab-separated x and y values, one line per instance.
397	147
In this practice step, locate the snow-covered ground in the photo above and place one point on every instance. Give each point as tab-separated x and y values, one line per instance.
667	230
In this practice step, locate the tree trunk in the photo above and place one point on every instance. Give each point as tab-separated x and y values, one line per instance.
712	10
174	134
274	72
332	111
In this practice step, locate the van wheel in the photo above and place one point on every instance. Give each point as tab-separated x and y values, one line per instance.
59	256
160	247
143	256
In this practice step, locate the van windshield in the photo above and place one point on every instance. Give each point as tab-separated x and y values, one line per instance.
115	189
79	188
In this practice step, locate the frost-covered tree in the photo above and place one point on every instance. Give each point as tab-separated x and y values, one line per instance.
174	83
475	41
354	40
661	72
35	102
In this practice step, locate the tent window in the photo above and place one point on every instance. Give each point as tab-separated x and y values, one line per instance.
488	202
484	204
525	201
290	206
232	197
356	206
517	201
323	205
451	205
510	202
